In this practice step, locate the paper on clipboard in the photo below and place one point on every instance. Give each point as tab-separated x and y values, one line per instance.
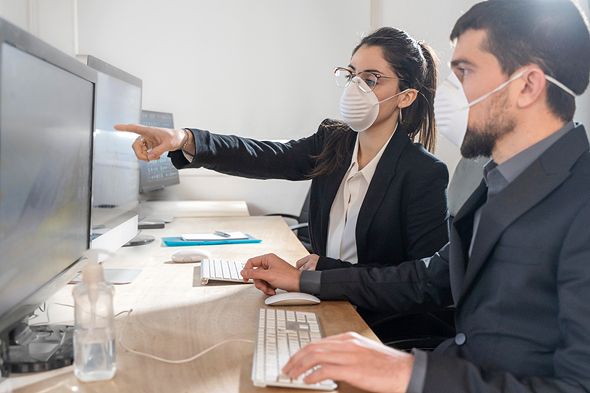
203	237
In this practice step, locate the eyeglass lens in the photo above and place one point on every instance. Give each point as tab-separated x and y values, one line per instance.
344	77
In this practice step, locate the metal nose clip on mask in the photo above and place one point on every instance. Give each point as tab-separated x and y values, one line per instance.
360	109
451	109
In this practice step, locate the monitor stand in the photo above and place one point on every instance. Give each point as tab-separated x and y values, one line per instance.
139	240
40	348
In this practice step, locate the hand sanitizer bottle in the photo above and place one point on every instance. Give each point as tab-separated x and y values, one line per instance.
94	330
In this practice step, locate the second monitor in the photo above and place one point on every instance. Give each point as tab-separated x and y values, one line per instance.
115	183
157	174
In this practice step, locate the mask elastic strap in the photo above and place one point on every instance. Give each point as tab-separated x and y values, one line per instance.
561	85
503	85
393	96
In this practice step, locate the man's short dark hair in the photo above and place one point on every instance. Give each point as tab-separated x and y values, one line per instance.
553	34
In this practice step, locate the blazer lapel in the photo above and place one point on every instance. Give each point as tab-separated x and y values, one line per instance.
461	233
526	191
377	191
333	182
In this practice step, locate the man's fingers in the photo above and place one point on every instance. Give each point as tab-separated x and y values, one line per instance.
315	353
265	287
254	262
255	274
322	357
335	372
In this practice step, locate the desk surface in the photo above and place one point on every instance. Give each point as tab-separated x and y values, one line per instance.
175	317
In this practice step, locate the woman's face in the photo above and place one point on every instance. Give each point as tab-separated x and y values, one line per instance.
370	58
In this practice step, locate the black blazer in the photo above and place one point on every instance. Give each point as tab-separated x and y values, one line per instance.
404	214
522	299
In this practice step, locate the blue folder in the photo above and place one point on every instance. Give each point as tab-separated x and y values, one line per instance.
177	241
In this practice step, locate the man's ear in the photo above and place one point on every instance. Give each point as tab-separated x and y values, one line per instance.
533	87
407	98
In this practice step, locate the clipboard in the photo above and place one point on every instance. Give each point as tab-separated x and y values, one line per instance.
177	241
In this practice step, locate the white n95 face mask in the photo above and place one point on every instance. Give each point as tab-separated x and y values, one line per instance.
451	109
360	109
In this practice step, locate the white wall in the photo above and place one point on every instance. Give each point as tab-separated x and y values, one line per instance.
54	21
257	68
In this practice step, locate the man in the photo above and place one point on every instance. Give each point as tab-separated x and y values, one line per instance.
517	267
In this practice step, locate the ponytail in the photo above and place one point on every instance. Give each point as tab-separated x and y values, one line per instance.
418	118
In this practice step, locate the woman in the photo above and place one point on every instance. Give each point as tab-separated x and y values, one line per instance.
376	197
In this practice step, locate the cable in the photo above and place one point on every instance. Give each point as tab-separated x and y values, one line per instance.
167	360
147	354
46	311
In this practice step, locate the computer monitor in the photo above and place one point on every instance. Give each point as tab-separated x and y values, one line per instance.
115	185
46	126
157	174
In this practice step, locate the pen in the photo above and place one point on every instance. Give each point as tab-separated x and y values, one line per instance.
223	234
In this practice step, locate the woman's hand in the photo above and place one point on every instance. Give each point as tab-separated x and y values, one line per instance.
154	141
308	263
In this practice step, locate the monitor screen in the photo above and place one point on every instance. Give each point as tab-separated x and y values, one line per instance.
115	185
46	125
157	174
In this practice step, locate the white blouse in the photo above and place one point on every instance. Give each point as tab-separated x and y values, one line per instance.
347	205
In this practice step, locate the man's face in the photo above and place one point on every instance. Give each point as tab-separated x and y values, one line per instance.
479	72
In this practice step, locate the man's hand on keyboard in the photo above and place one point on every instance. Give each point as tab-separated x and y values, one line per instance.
270	272
354	359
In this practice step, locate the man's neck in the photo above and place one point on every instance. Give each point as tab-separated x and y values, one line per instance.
524	136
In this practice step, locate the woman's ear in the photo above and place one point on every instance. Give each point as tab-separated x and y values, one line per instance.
407	98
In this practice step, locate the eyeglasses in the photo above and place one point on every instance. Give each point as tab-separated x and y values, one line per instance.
344	77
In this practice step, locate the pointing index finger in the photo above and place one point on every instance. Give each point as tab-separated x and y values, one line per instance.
136	128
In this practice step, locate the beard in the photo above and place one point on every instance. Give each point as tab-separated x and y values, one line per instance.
480	140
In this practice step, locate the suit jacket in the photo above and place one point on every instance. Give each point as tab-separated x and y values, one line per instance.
522	298
405	203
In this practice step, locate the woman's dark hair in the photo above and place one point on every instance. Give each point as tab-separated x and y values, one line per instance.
415	65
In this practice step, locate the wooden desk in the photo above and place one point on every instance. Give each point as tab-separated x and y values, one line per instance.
195	208
174	317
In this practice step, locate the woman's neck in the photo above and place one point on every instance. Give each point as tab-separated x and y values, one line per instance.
372	141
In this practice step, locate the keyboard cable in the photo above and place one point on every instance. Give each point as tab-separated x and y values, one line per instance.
168	360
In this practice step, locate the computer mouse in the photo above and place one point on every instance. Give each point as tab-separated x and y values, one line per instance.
192	255
292	299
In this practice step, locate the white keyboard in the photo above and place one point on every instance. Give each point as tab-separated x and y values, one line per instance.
221	270
280	334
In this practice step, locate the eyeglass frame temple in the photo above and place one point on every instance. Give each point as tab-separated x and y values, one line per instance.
353	74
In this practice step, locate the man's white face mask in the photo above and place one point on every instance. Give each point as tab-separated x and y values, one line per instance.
451	109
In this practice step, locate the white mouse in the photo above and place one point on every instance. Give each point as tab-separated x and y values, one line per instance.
192	255
292	299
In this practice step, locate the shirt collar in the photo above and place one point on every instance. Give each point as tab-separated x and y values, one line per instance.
513	167
497	177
